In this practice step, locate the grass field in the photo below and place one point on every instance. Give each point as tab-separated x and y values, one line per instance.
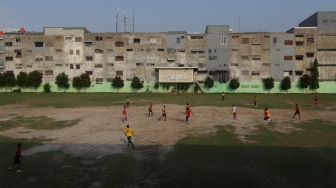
305	156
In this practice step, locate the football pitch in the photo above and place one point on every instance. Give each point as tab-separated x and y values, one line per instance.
77	140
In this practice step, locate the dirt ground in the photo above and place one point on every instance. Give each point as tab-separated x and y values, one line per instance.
100	130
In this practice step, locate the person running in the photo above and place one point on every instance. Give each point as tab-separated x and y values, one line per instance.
17	157
128	100
267	116
223	96
315	102
150	109
297	111
187	113
234	112
129	133
187	105
163	114
255	101
124	114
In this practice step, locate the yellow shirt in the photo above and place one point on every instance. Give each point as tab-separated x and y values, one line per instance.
187	105
163	110
128	100
128	132
223	95
255	99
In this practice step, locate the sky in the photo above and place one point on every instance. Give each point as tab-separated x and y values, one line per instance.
160	15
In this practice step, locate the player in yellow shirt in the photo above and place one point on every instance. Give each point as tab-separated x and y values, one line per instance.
128	100
187	105
223	96
163	113
129	133
255	101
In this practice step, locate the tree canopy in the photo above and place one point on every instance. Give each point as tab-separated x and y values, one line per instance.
77	83
234	84
9	80
209	82
117	82
315	77
86	80
136	84
21	79
305	81
286	84
62	81
269	83
34	79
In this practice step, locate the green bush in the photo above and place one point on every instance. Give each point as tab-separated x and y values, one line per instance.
47	88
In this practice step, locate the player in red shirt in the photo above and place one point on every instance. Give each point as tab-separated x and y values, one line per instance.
17	157
124	114
150	110
297	111
315	102
187	113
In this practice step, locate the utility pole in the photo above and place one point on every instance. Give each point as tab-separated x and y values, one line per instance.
117	17
239	22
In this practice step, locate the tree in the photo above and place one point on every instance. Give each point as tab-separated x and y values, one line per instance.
47	88
234	84
86	80
34	79
2	80
269	83
315	78
22	79
156	85
62	81
196	88
10	80
77	83
136	84
117	82
286	84
305	81
209	82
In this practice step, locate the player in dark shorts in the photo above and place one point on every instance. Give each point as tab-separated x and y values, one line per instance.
315	102
187	113
297	111
163	114
129	133
128	100
150	110
223	96
255	101
17	157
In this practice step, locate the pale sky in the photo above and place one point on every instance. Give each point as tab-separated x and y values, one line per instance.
160	15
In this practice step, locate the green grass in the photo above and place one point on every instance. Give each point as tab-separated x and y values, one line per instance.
39	122
70	100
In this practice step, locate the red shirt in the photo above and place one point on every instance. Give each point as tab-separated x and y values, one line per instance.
17	153
124	111
150	107
315	99
297	108
188	112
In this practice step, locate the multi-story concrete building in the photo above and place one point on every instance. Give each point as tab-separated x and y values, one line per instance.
217	53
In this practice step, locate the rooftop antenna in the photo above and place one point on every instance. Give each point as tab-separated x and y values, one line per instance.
117	18
128	24
239	22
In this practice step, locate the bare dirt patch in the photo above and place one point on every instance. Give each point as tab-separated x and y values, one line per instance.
100	129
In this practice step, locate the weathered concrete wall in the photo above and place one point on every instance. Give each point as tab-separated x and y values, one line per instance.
326	21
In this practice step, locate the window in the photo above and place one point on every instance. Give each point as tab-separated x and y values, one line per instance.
136	40
274	40
255	73
177	40
299	43
212	57
288	73
88	58
235	37
88	44
310	54
288	57
9	58
160	49
38	44
99	51
17	40
298	73
119	44
332	49
139	64
68	38
197	51
299	57
71	66
8	44
223	40
324	21
99	80
49	44
48	58
119	58
235	64
77	52
58	50
119	73
234	49
213	72
310	40
265	64
109	37
129	50
109	64
88	72
266	36
98	38
245	57
196	37
212	51
78	39
256	58
245	72
109	50
18	53
48	72
182	37
38	58
99	65
77	66
245	40
288	42
71	52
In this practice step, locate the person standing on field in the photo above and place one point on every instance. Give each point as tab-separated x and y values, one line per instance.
255	101
187	113
17	157
128	100
150	109
234	112
129	133
315	102
124	114
267	116
163	113
297	111
223	96
187	105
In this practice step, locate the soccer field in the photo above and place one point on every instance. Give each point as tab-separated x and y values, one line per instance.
77	140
